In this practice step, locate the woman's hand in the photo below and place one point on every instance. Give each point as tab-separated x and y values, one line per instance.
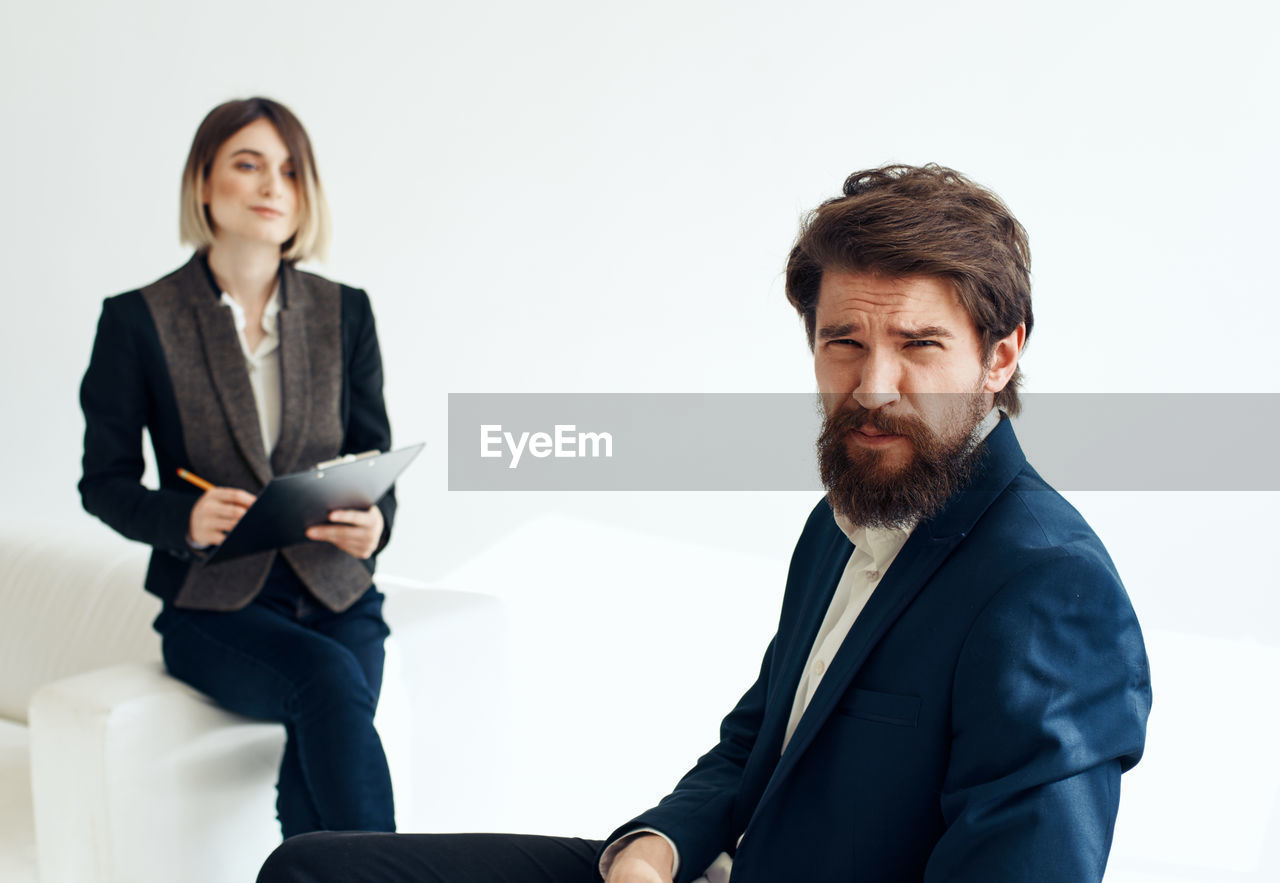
357	534
215	513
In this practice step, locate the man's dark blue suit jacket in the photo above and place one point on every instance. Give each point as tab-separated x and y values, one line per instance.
972	727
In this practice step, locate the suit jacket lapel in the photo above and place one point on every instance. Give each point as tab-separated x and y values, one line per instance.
226	364
295	371
835	552
921	556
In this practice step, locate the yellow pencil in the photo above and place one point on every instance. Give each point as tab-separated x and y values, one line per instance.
195	479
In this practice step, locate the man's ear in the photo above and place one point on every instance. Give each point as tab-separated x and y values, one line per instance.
1004	359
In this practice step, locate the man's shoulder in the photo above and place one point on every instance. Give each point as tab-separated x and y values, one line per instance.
1041	509
1031	525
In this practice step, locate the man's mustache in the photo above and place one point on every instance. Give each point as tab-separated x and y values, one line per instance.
853	417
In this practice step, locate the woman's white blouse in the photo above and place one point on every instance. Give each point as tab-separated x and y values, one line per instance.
263	366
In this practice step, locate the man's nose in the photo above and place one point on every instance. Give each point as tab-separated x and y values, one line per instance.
878	384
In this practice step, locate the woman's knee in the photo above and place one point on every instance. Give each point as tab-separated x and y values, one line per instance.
335	680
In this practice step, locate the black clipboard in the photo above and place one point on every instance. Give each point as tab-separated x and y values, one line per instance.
290	504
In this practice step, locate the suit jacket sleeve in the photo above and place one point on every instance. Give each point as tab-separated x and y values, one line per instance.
367	426
116	396
1050	698
698	814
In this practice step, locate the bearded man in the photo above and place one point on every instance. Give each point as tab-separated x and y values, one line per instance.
957	680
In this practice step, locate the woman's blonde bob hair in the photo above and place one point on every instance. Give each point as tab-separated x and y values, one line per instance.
194	226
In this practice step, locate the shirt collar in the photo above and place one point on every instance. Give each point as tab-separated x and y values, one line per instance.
984	427
270	312
881	543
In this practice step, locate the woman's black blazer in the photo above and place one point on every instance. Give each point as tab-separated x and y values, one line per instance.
175	335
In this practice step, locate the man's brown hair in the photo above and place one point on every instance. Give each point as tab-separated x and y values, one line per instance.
901	220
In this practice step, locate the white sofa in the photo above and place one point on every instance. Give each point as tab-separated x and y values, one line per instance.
110	770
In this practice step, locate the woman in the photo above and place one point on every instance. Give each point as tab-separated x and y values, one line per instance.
242	367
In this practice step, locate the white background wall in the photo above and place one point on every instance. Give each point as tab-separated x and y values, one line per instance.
588	196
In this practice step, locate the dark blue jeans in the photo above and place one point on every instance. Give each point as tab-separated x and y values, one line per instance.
288	658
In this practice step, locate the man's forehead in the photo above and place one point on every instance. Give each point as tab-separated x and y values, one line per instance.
910	300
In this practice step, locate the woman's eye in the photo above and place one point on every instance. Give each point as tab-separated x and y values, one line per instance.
245	166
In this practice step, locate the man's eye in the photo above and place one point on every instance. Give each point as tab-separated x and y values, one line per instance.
923	343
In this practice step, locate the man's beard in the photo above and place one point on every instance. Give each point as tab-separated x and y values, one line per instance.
869	493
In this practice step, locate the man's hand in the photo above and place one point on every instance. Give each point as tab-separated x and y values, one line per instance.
357	534
646	859
215	513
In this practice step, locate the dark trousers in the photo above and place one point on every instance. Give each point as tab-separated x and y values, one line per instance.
288	658
432	858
